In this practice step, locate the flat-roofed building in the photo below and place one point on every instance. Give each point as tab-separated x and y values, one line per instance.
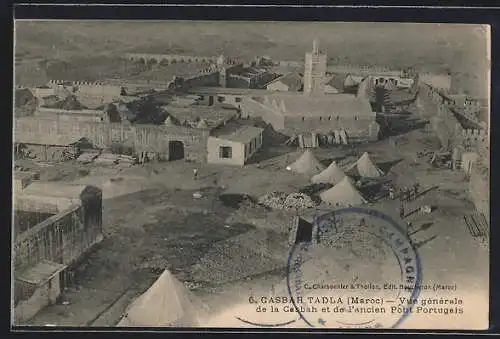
233	144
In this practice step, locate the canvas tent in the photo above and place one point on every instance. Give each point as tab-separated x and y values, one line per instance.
306	164
331	175
202	124
167	303
170	121
343	194
365	167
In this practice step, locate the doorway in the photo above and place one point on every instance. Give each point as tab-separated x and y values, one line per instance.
211	100
304	231
175	150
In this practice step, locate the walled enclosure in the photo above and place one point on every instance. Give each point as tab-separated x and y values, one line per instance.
60	239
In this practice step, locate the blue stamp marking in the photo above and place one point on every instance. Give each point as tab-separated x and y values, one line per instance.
330	233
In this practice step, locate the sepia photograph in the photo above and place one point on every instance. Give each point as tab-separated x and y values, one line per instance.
246	174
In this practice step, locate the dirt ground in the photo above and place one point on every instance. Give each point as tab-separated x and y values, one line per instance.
152	221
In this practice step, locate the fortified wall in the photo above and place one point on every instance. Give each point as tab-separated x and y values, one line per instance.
445	123
206	77
451	133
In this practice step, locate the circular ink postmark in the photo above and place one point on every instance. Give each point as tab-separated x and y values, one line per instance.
360	270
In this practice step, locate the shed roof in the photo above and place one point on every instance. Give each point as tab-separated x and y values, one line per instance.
336	81
212	116
55	189
293	80
237	132
41	272
335	104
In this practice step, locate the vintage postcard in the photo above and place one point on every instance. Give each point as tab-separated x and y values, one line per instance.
251	174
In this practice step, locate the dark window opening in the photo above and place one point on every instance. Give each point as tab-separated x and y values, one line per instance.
237	99
330	118
355	118
225	152
304	232
302	118
221	99
320	118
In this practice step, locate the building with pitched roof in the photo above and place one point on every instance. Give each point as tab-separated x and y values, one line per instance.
294	115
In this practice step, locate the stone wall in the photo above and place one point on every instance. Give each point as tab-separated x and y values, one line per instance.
156	139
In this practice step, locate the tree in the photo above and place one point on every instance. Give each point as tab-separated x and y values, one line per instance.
147	112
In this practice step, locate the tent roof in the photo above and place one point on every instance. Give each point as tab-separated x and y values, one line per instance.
344	193
331	175
169	121
307	163
365	167
166	303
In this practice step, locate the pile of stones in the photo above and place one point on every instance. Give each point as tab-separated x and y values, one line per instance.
280	200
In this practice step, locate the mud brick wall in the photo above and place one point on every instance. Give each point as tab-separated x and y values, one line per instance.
46	131
149	138
156	139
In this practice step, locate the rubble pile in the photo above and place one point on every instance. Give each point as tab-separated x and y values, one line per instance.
275	200
156	262
299	201
280	200
70	154
240	257
87	157
107	159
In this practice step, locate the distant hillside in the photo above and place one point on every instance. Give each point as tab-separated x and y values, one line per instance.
460	49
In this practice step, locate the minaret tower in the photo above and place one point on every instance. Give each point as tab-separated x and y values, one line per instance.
314	71
222	71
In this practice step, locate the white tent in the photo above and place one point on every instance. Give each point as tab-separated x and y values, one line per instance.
343	194
166	303
169	121
331	175
306	164
365	167
202	124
